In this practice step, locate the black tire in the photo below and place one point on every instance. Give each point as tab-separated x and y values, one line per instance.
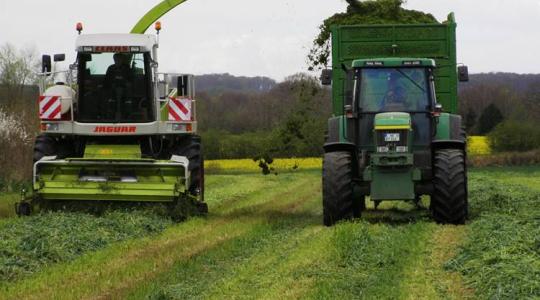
23	209
191	147
44	146
48	146
449	204
337	187
359	205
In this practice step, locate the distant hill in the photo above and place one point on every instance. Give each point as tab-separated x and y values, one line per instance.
219	83
519	83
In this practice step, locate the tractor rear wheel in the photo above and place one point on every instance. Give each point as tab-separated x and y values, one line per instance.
449	203
191	148
337	187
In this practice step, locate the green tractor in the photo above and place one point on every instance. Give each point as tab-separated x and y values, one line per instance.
390	138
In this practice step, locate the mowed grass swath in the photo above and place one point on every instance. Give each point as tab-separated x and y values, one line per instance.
263	238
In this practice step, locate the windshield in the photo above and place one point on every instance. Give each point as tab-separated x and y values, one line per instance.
393	89
114	87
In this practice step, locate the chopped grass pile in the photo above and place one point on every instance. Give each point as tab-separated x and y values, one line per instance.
501	259
363	13
29	244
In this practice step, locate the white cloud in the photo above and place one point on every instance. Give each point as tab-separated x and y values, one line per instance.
272	38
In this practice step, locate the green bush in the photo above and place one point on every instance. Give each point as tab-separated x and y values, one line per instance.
515	136
220	144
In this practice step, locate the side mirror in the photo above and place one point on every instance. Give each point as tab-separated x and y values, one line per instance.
463	73
437	110
162	89
185	86
46	64
59	57
326	77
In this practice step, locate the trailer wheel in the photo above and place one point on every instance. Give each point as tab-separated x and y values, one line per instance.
190	147
449	203
337	188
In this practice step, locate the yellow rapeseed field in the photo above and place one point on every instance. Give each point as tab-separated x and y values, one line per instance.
477	145
279	164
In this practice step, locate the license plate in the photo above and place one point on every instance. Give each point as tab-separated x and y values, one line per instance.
391	137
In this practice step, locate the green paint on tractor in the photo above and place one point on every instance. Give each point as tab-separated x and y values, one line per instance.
394	93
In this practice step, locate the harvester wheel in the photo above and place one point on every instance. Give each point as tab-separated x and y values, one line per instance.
337	188
48	146
23	209
44	146
449	200
191	148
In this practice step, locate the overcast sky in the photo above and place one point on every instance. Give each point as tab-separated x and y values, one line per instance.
268	38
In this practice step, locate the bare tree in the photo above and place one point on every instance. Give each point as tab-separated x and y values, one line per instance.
17	69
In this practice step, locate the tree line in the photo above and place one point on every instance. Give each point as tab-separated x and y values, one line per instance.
243	117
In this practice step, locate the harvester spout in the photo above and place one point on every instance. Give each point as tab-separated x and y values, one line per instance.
154	14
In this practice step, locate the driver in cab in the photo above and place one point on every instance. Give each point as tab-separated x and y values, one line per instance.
395	98
119	82
120	72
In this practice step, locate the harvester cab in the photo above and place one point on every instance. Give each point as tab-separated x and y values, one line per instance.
389	138
116	129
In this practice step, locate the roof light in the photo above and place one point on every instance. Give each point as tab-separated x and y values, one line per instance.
88	48
79	27
412	63
374	63
134	49
157	26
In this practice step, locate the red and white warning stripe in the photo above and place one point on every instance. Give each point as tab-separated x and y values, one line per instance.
179	109
50	107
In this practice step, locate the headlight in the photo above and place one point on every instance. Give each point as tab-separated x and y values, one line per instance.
179	127
401	149
382	149
52	127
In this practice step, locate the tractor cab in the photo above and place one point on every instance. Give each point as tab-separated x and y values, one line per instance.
394	99
115	78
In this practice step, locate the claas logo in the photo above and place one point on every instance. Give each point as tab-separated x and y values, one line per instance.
111	49
115	129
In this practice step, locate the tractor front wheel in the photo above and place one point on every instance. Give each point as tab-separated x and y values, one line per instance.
449	203
48	146
337	184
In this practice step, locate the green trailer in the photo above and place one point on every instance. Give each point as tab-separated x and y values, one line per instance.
395	133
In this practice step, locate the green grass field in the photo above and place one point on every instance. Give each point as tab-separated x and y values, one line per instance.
263	238
7	204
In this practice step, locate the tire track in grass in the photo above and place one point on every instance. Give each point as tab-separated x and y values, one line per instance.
365	260
425	277
267	213
122	267
215	274
257	276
